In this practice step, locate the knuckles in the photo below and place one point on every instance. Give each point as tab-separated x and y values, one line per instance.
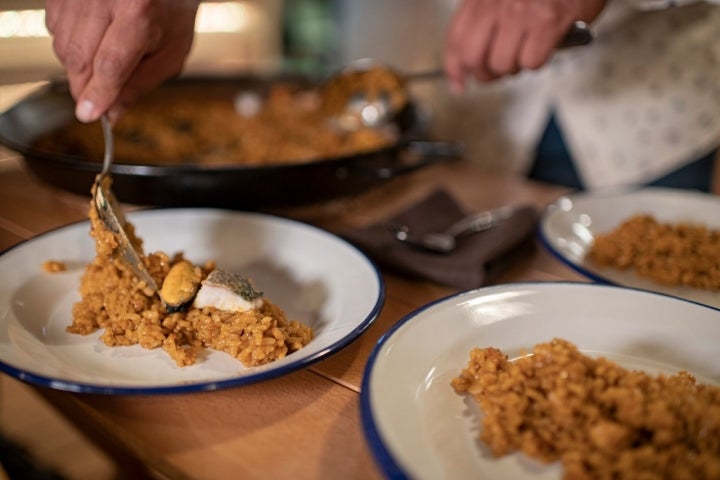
72	55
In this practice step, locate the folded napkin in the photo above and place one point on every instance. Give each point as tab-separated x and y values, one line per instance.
468	266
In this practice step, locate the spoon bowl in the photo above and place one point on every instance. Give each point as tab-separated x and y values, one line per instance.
373	102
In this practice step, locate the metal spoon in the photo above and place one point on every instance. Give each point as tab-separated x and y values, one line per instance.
446	241
110	214
377	109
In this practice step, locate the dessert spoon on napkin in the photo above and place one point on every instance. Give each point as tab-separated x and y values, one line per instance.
476	258
446	241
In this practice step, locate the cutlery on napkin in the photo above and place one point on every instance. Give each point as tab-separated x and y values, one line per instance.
471	264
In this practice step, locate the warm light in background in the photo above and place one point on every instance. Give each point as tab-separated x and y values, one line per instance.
212	18
23	23
222	17
232	36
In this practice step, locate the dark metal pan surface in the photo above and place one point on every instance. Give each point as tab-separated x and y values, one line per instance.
234	186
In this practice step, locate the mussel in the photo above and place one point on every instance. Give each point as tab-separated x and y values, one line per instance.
180	286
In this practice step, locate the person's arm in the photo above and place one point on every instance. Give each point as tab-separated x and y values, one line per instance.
116	50
489	39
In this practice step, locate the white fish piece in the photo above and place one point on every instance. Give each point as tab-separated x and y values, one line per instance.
229	292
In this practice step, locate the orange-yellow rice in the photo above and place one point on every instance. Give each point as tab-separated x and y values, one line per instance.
115	300
597	418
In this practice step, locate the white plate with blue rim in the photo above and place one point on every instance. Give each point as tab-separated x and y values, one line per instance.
419	428
569	225
315	276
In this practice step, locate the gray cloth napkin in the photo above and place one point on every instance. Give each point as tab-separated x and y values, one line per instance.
476	258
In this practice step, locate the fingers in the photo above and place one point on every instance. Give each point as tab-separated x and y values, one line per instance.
150	72
469	44
124	44
461	45
489	39
550	25
115	50
505	47
162	62
53	8
78	30
538	48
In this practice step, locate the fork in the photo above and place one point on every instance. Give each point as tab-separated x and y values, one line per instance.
110	214
446	241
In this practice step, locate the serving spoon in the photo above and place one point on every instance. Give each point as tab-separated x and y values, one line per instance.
110	214
375	109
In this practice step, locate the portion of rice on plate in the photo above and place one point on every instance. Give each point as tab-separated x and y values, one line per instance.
196	307
598	419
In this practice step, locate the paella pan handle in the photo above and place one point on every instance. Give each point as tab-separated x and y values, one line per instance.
415	155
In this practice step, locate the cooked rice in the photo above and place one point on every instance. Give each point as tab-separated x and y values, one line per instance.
115	300
374	83
171	128
671	254
54	266
599	419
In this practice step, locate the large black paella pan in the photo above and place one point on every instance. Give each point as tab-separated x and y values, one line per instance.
230	184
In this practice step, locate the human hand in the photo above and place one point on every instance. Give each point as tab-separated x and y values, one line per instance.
114	51
489	39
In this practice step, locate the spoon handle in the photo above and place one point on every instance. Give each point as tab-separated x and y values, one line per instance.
108	136
477	222
578	35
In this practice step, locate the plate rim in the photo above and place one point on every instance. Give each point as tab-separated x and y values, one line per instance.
388	463
199	386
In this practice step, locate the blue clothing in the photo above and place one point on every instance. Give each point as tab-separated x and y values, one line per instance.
554	164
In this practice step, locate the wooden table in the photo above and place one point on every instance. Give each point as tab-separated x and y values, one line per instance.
302	425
